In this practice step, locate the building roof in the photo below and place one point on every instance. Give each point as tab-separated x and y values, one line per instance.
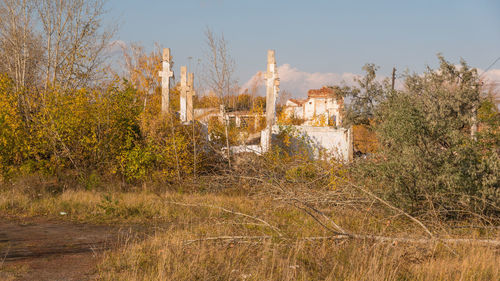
325	92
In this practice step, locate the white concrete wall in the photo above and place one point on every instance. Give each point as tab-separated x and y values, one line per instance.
299	112
309	107
325	141
336	143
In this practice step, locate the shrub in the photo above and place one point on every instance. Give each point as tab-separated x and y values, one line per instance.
12	134
428	159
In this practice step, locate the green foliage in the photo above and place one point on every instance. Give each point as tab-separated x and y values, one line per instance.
107	130
108	204
217	132
83	130
365	98
489	118
136	162
428	159
302	173
290	142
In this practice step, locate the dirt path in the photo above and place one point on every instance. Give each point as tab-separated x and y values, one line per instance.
49	250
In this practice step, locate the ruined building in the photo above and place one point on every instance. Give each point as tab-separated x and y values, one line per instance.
321	135
323	107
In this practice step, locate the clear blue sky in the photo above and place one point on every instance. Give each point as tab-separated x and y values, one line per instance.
318	36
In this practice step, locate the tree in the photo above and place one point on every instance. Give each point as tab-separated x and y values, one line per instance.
20	46
21	53
12	136
219	66
364	98
75	41
284	97
428	161
141	70
51	43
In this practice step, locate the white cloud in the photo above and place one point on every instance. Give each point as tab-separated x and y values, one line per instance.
490	76
298	82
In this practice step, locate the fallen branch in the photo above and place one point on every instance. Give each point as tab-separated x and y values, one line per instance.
394	208
231	238
228	211
475	226
316	219
488	242
340	229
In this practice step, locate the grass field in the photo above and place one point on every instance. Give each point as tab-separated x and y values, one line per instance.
249	232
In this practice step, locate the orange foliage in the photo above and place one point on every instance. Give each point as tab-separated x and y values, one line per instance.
365	140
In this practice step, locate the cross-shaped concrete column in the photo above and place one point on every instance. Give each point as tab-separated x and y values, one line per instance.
189	98
165	75
272	87
272	91
184	93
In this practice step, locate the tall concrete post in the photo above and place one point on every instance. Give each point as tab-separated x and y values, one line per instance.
350	144
272	91
183	95
165	75
189	98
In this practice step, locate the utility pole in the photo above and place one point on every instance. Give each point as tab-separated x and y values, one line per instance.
393	77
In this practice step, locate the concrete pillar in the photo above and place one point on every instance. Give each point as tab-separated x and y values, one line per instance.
272	91
165	75
265	139
473	128
189	98
272	87
350	144
183	95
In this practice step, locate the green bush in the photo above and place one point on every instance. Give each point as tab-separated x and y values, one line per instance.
428	160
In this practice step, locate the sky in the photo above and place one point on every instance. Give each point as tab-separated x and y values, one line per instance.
317	42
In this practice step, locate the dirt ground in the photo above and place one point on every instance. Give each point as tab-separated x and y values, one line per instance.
38	249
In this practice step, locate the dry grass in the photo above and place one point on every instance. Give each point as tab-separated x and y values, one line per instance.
167	257
271	235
